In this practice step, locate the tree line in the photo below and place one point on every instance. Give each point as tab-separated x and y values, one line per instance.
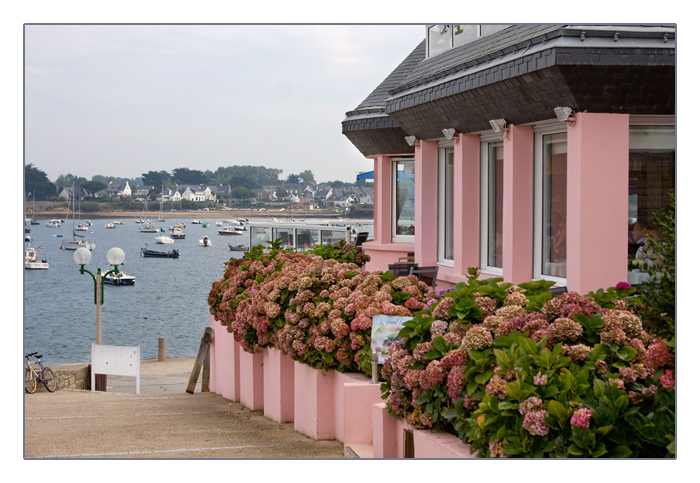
242	180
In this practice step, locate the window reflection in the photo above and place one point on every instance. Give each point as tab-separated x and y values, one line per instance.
554	205
495	205
652	174
404	197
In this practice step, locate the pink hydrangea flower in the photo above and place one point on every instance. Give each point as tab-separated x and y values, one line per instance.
668	380
581	417
534	423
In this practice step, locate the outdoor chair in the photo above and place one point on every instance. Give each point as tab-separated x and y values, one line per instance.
426	274
361	238
557	291
401	269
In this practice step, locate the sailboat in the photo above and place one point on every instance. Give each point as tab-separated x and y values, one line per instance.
160	214
75	244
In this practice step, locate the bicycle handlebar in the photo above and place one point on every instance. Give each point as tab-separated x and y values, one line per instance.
32	354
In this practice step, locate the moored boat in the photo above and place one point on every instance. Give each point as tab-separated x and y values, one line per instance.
237	248
53	224
120	278
156	254
204	242
109	225
164	240
35	258
230	231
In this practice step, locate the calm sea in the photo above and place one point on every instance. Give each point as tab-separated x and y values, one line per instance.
169	298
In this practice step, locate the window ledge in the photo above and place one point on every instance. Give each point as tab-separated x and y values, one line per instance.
389	247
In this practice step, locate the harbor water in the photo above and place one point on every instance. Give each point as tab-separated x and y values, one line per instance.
168	300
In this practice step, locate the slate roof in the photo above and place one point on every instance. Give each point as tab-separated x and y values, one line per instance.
519	73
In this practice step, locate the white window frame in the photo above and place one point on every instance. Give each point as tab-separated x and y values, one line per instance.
395	237
484	205
541	130
452	34
443	147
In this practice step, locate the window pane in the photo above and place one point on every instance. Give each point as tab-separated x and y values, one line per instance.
447	204
495	205
554	205
652	175
405	198
465	34
307	239
286	235
260	236
439	39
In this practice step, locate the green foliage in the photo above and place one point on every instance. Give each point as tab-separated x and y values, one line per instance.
584	381
657	296
342	251
37	183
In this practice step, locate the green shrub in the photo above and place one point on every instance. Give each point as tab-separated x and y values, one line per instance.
516	372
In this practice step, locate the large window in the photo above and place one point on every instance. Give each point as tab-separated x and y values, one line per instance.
492	206
652	175
443	37
404	199
550	212
446	166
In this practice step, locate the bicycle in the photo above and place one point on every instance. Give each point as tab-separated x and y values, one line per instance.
43	374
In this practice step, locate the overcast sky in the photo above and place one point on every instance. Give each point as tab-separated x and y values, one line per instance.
121	100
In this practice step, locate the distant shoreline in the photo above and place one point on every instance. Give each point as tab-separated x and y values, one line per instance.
204	215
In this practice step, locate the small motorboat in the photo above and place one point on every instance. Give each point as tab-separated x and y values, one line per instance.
177	233
148	228
53	224
237	248
120	278
118	222
204	242
81	227
35	258
229	231
164	240
196	222
145	252
109	226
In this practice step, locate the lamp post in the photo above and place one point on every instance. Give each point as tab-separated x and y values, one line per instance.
115	256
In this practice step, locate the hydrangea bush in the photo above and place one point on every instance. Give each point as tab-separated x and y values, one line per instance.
312	307
514	371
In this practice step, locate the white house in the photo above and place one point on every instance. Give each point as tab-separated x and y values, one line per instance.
119	188
198	193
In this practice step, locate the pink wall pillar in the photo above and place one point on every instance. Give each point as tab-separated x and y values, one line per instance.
252	380
224	375
382	199
426	202
517	204
314	402
278	394
466	202
597	201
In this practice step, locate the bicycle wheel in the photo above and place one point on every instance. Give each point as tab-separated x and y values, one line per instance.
49	379
29	381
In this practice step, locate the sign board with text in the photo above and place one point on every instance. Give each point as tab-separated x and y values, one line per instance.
117	361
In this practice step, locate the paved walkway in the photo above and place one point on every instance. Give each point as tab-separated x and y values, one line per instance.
162	422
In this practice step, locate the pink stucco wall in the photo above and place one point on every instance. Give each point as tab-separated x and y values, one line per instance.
517	204
426	202
224	371
597	201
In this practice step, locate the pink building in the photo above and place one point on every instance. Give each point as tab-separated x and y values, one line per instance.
529	151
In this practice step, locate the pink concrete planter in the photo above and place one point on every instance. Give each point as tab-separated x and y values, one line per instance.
438	444
354	398
314	402
224	374
252	380
389	439
278	381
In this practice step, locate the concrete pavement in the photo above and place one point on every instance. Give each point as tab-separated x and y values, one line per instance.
162	422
